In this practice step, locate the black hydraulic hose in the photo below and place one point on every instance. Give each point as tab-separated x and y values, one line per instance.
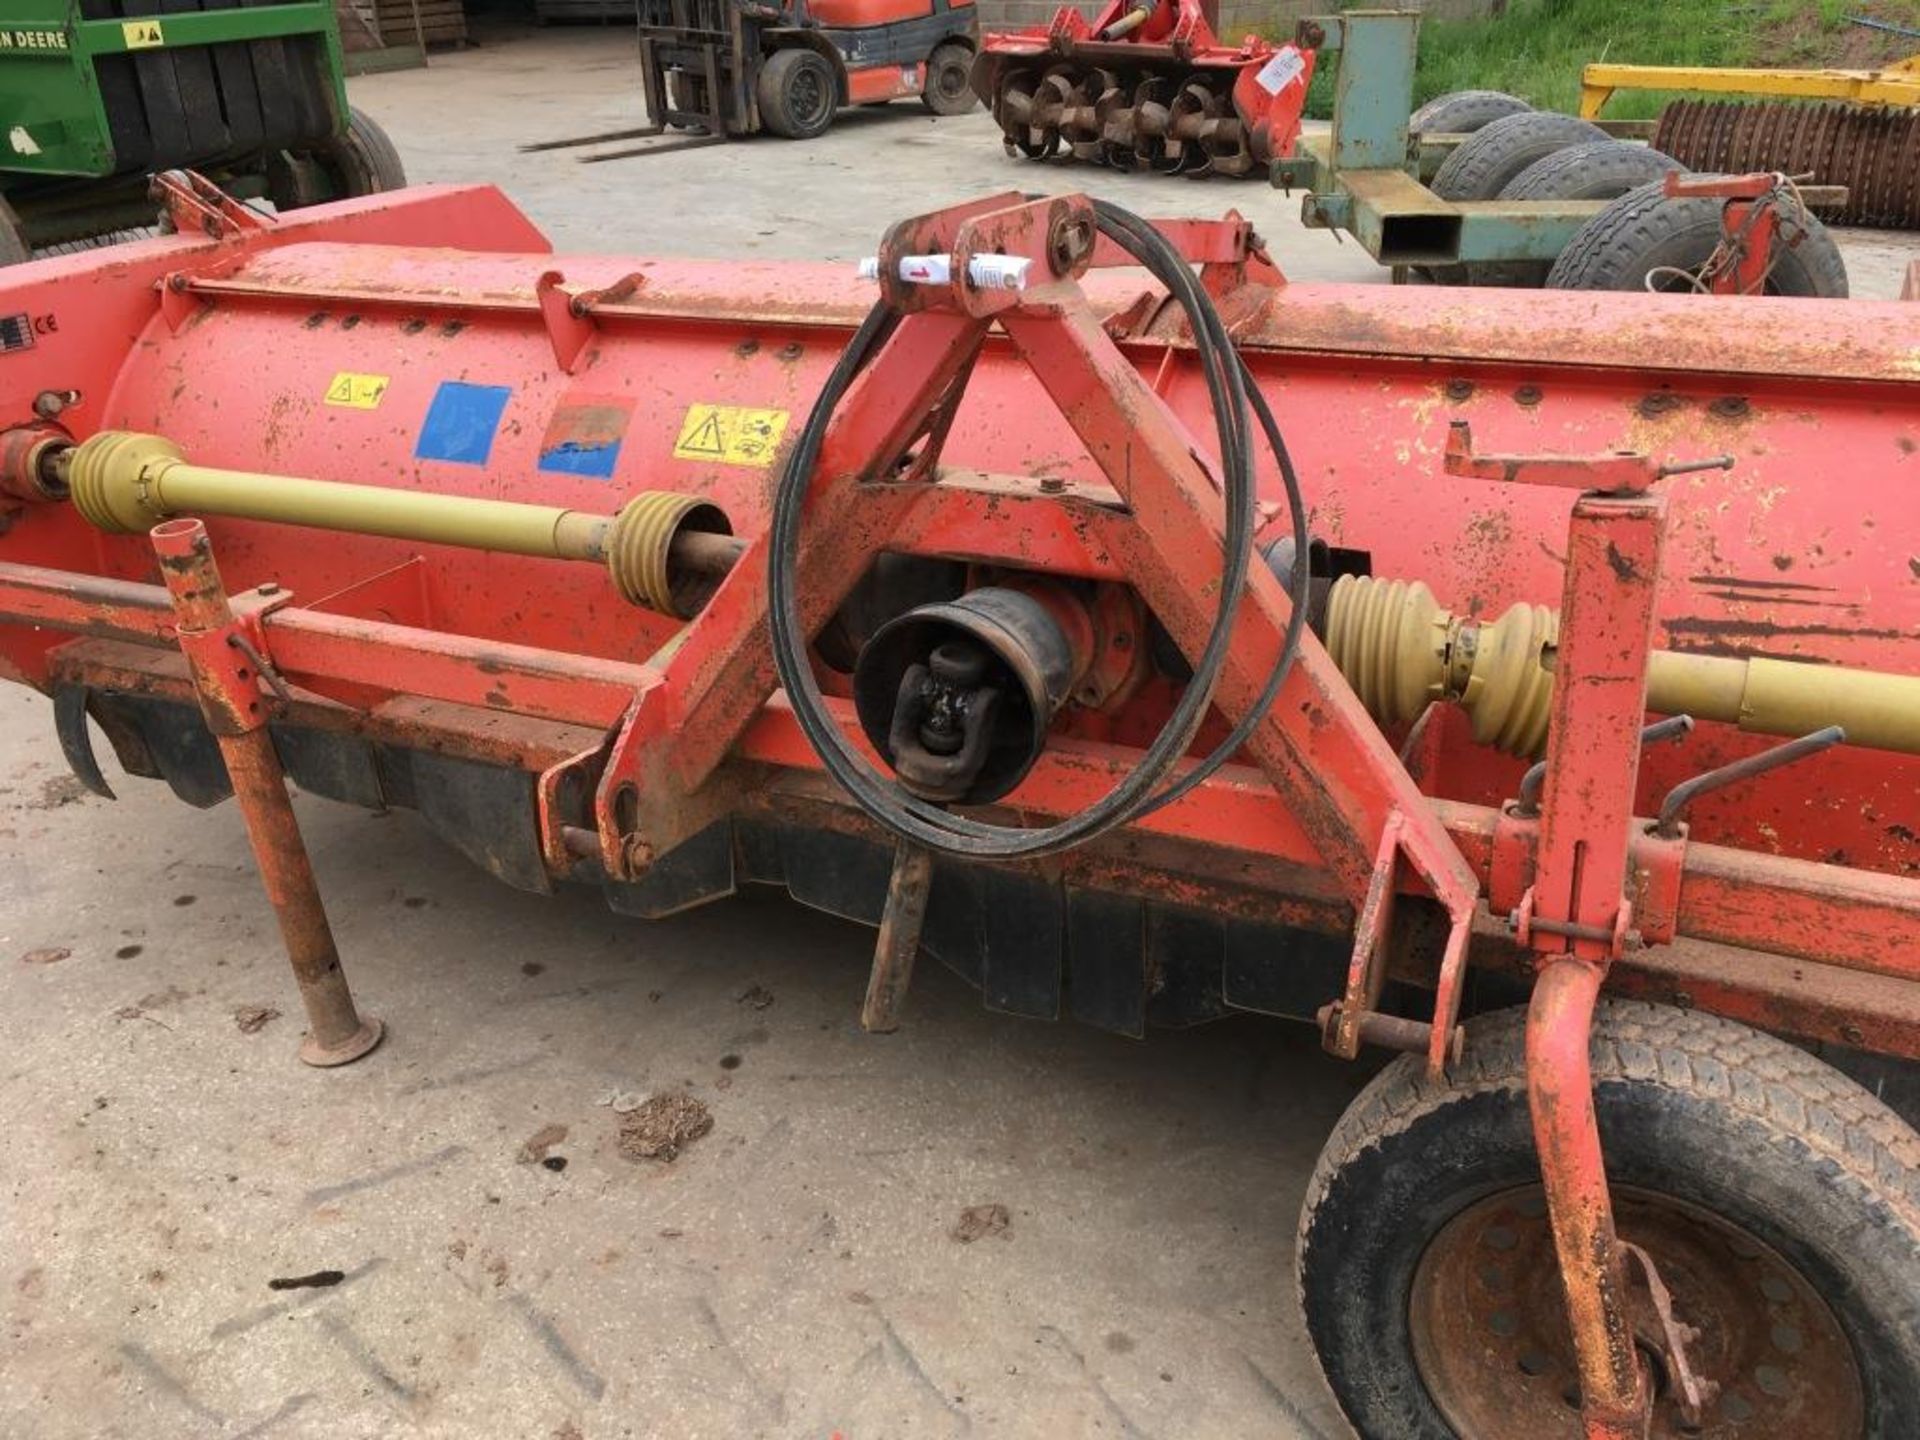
1229	385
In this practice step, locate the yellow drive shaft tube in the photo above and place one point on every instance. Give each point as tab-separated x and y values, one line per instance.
662	549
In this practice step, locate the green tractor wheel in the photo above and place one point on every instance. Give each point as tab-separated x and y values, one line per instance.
360	162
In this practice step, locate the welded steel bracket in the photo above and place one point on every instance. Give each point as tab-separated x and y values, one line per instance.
569	314
194	205
1751	219
1353	1021
1613	472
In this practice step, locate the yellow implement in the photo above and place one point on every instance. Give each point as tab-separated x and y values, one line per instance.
1895	84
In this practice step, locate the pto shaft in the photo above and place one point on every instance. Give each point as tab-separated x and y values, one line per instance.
663	550
1399	649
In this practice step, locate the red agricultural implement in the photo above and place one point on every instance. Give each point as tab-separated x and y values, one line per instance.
1140	635
1144	85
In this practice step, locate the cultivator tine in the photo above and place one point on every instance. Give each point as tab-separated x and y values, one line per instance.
1150	121
1192	108
1015	107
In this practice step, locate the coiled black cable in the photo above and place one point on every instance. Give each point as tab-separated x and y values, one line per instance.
1230	386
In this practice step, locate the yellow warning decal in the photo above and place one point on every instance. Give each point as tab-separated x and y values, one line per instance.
141	34
730	434
356	391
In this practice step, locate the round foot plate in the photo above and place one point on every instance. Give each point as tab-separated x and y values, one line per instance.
325	1057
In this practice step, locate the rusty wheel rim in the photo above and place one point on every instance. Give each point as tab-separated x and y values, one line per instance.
810	98
1491	1343
950	80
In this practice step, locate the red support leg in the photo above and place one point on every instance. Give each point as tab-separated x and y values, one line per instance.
230	699
1576	917
1613	1391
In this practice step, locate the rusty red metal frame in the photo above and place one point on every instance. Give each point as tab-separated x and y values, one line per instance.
1855	919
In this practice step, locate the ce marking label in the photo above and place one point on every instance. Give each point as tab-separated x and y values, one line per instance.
18	330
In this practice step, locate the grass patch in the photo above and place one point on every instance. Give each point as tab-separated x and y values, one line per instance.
1537	48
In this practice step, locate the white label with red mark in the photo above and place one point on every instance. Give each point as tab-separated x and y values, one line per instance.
1282	70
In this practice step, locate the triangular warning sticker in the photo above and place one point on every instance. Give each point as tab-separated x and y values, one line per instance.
703	437
730	434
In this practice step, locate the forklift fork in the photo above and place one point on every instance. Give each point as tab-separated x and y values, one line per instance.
721	54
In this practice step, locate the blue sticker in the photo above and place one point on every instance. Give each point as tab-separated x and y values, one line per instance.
461	422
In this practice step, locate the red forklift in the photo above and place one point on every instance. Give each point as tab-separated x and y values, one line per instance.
717	69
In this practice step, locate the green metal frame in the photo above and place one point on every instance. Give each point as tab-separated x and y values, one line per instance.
52	118
1366	174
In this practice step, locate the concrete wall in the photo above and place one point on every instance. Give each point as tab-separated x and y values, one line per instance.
1237	17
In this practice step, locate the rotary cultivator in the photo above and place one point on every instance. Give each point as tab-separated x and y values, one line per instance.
1145	85
1499	677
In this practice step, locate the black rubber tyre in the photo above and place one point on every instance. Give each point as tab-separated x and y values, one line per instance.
363	161
1461	112
949	90
1693	1109
1644	230
1488	160
798	94
1599	170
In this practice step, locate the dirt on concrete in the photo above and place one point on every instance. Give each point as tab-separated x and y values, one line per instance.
59	791
252	1019
534	1148
663	1126
976	1222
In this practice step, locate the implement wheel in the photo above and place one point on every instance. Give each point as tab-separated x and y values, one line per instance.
1602	170
1461	112
1484	164
949	89
1779	1201
1645	235
798	94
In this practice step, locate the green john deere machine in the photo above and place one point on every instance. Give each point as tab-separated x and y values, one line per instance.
98	95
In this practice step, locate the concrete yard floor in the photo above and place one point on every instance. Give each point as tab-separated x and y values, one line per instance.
794	1272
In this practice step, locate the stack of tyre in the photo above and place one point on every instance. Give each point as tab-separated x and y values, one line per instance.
1514	152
